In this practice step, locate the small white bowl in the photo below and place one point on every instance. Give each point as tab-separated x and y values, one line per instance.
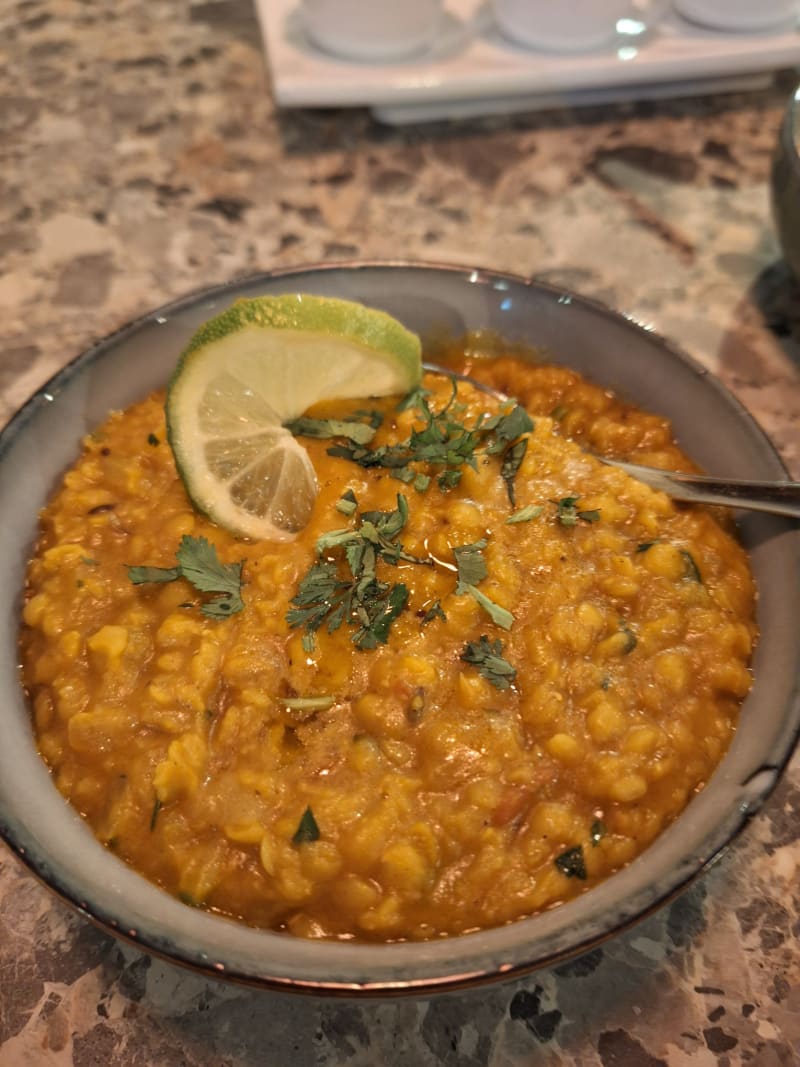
370	30
741	16
578	26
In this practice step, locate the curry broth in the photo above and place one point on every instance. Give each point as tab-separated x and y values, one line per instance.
442	802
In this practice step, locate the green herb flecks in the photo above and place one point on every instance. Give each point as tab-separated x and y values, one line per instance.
157	806
487	656
199	564
88	561
568	513
512	461
597	831
435	611
347	503
471	564
645	546
472	569
447	443
526	514
307	829
355	430
571	863
346	589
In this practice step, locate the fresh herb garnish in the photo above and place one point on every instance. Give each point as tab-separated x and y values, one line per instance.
558	412
89	561
471	570
487	656
359	432
199	564
500	616
512	461
347	503
444	441
526	514
307	829
435	611
471	564
568	513
347	589
571	863
692	571
597	831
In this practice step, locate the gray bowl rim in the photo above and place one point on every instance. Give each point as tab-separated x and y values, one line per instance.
465	960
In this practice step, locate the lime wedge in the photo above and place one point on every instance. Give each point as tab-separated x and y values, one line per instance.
253	368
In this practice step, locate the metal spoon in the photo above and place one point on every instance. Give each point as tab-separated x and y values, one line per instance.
778	498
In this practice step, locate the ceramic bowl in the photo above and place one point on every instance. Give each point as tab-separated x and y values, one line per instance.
711	426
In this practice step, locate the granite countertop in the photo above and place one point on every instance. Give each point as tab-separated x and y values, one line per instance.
141	158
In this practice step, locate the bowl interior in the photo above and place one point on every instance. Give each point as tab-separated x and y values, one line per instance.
712	427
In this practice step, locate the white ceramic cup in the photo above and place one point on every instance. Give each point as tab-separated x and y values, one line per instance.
741	15
372	29
571	25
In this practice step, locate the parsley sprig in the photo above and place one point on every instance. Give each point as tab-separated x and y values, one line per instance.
199	564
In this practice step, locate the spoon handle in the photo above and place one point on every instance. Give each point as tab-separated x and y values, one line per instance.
779	498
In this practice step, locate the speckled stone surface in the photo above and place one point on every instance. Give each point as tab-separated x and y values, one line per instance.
140	158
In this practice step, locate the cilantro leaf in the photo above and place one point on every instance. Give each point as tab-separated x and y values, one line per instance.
435	611
140	575
512	461
347	503
444	441
507	428
199	564
499	615
329	595
568	514
526	514
307	829
471	564
487	656
361	433
571	863
381	613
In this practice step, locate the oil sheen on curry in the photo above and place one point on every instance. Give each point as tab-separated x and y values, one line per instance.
451	702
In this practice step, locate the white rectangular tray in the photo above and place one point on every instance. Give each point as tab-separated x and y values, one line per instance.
473	69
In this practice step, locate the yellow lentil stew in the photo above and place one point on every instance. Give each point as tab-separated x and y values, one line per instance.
538	708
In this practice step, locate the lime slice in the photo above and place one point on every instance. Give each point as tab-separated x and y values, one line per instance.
253	368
